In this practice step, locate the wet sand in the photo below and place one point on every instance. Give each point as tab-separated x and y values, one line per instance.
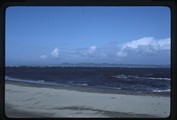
25	100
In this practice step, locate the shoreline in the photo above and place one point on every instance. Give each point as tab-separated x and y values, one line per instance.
90	90
54	101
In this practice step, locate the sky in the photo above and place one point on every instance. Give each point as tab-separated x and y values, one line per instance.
114	35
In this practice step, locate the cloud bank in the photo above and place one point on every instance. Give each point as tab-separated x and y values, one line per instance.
143	49
146	45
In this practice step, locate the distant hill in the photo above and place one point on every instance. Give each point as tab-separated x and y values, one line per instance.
99	65
111	65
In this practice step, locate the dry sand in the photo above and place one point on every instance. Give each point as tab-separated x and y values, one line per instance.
32	101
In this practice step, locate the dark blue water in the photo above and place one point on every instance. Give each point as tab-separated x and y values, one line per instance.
134	79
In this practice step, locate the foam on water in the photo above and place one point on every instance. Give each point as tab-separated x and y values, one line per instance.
26	80
137	77
167	90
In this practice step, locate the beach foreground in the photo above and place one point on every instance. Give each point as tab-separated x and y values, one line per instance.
25	100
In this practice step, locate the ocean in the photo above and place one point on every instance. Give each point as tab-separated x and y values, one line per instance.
111	78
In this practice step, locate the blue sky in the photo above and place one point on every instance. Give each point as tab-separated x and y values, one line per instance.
55	35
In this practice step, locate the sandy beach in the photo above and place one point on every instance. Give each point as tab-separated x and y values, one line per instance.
25	100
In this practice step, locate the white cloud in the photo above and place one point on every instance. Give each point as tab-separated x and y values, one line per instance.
164	44
143	45
87	51
55	53
146	41
92	49
43	56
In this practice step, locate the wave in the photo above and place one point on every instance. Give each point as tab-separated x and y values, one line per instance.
23	80
83	84
122	76
43	82
153	78
167	90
